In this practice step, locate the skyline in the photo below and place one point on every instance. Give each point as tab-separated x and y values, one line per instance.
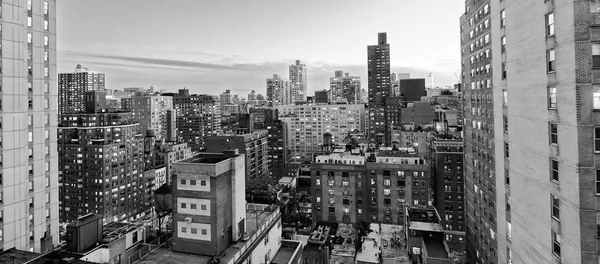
238	45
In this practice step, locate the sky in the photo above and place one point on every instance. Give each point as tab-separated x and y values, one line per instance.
209	46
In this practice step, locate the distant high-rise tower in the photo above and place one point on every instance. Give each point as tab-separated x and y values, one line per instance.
344	88
298	81
73	86
430	81
198	116
278	91
379	86
29	171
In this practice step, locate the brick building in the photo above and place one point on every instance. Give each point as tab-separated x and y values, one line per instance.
349	187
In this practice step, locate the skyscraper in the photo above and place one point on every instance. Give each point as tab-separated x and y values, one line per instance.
531	88
73	86
29	175
379	85
278	91
344	88
299	81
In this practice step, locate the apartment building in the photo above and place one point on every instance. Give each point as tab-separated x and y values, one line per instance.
28	120
279	91
380	86
102	165
72	87
446	160
197	117
350	187
308	123
530	75
253	145
344	88
151	112
298	81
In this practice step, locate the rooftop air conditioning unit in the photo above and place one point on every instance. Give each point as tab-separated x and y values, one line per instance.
188	220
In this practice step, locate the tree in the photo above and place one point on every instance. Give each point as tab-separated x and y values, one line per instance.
363	228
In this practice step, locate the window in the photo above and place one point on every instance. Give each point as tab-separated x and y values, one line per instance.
506	178
203	183
553	133
46	41
203	231
203	207
554	170
503	43
182	181
594	6
45	7
506	150
556	244
183	229
597	182
30	136
46	72
503	70
183	205
46	25
552	98
192	182
194	230
596	55
551	58
502	18
29	38
555	207
29	21
550	24
193	206
29	5
46	56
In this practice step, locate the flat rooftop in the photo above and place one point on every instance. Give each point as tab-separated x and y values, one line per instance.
286	252
343	244
435	248
210	160
167	256
20	257
427	215
393	249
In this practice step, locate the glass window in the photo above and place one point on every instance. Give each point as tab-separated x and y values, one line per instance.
597	139
555	207
29	38
596	55
597	182
552	98
556	244
554	170
595	6
502	18
553	133
550	24
551	60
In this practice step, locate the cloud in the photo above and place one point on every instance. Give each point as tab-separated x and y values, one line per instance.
214	77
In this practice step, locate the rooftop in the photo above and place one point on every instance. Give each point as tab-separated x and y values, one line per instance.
343	244
208	158
286	252
264	215
21	257
424	219
435	248
392	247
